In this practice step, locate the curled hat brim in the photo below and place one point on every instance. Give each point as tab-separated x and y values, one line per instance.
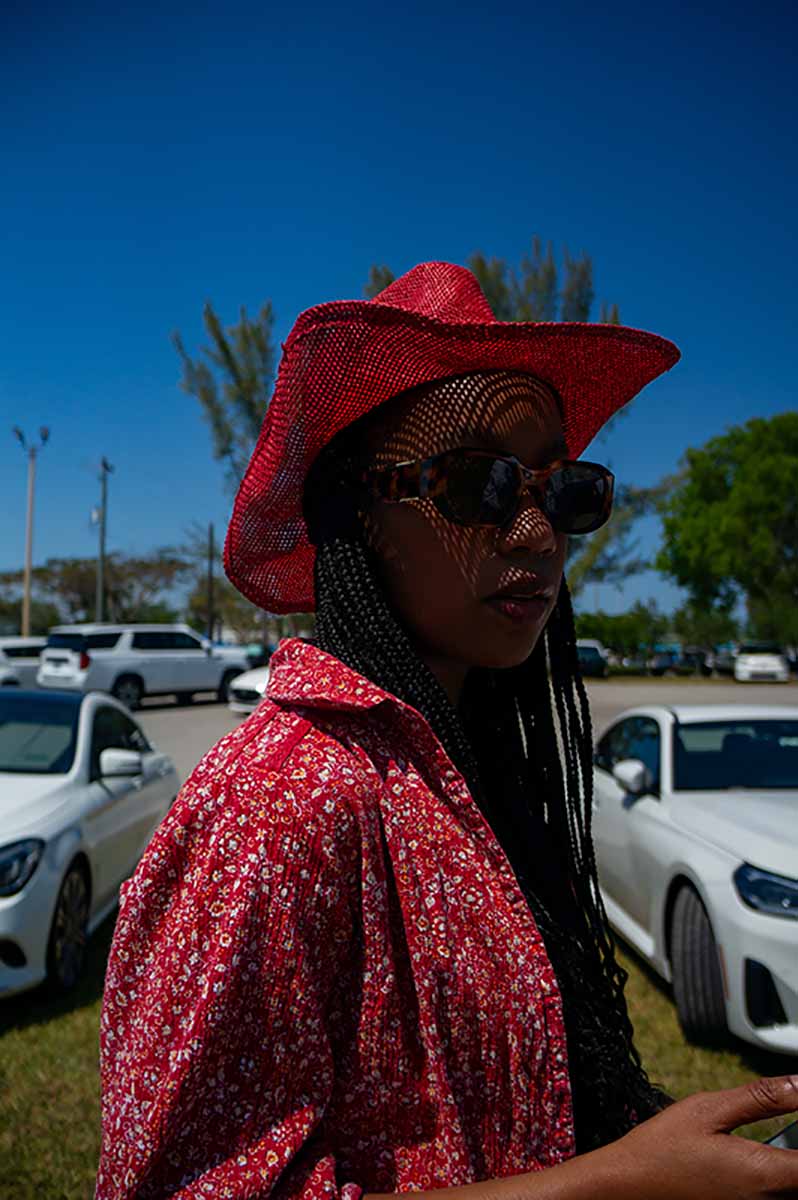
344	358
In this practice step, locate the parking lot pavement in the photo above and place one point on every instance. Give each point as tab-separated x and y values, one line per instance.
186	733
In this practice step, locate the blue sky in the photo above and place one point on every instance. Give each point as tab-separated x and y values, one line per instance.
159	157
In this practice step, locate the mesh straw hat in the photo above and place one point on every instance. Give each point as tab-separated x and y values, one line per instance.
344	358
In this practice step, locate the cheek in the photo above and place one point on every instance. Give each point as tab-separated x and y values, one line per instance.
426	561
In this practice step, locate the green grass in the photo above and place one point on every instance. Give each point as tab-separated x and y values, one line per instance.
49	1097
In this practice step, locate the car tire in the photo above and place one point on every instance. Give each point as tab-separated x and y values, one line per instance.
223	691
129	690
697	978
66	945
185	698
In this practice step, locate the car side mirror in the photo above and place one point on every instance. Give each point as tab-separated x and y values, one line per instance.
116	764
633	776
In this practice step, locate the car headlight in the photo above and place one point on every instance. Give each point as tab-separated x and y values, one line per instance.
766	892
18	861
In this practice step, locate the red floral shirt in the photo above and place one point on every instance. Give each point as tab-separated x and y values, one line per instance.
324	977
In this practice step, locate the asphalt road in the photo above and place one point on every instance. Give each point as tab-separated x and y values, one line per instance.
186	733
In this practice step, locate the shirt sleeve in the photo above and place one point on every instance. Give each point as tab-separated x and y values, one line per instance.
216	1060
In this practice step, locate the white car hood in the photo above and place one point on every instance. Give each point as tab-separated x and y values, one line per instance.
28	802
758	827
254	680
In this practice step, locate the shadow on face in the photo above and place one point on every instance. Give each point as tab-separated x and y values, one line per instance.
439	574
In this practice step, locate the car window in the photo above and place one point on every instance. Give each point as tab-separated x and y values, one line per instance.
66	641
102	641
22	651
152	639
718	755
38	734
636	737
644	744
113	730
184	641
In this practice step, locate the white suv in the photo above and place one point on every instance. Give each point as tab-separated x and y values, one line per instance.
761	661
131	661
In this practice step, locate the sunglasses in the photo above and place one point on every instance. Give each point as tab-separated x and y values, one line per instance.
477	487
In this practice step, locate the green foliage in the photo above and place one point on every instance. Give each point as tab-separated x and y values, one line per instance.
378	280
731	524
43	615
627	633
66	587
705	626
232	384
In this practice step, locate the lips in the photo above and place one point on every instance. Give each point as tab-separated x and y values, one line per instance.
521	590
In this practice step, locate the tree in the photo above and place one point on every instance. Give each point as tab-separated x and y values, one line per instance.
232	384
700	626
639	629
43	615
134	586
731	524
378	280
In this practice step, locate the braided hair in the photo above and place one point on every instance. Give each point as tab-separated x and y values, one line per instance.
521	737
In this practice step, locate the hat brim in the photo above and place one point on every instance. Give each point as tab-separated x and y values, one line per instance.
345	358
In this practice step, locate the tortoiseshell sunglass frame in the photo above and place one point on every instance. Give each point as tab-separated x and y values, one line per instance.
423	478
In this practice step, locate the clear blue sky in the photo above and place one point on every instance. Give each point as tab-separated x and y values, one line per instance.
159	156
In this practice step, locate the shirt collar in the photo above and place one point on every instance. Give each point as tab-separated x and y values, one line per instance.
301	673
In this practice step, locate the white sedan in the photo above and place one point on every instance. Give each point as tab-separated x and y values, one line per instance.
246	691
695	825
82	793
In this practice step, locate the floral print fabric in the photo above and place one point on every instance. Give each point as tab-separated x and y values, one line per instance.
324	978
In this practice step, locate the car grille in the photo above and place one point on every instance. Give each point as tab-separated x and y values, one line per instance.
245	695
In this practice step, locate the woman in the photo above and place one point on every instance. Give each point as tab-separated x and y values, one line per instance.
366	952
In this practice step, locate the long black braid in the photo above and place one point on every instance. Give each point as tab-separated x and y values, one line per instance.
536	792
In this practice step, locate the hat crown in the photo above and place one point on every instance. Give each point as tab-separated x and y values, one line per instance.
439	290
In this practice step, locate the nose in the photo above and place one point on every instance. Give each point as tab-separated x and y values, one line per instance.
530	529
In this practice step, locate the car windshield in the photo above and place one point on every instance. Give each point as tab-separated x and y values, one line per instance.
711	755
38	734
760	648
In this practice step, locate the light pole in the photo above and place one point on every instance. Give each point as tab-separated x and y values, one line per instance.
31	450
99	602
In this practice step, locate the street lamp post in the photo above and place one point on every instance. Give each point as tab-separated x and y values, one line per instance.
99	603
31	450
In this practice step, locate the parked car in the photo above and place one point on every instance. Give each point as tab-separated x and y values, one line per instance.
722	662
246	691
22	655
83	790
695	826
132	661
756	661
8	676
692	660
591	660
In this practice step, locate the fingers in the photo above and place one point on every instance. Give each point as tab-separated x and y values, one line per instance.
771	1096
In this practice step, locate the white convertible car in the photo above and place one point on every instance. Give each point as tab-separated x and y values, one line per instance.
695	825
82	791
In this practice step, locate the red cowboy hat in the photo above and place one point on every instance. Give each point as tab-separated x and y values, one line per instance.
344	358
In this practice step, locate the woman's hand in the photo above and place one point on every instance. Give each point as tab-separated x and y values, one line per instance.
685	1152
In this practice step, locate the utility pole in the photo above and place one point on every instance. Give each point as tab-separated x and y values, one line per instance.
99	603
31	451
211	614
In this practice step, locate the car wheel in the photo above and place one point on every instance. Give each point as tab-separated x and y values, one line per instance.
697	979
128	689
66	947
223	692
185	697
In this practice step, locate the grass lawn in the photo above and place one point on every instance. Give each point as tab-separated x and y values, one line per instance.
49	1101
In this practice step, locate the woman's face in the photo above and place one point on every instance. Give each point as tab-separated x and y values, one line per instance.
441	576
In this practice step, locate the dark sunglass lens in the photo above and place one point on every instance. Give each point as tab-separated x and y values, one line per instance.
578	498
480	490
